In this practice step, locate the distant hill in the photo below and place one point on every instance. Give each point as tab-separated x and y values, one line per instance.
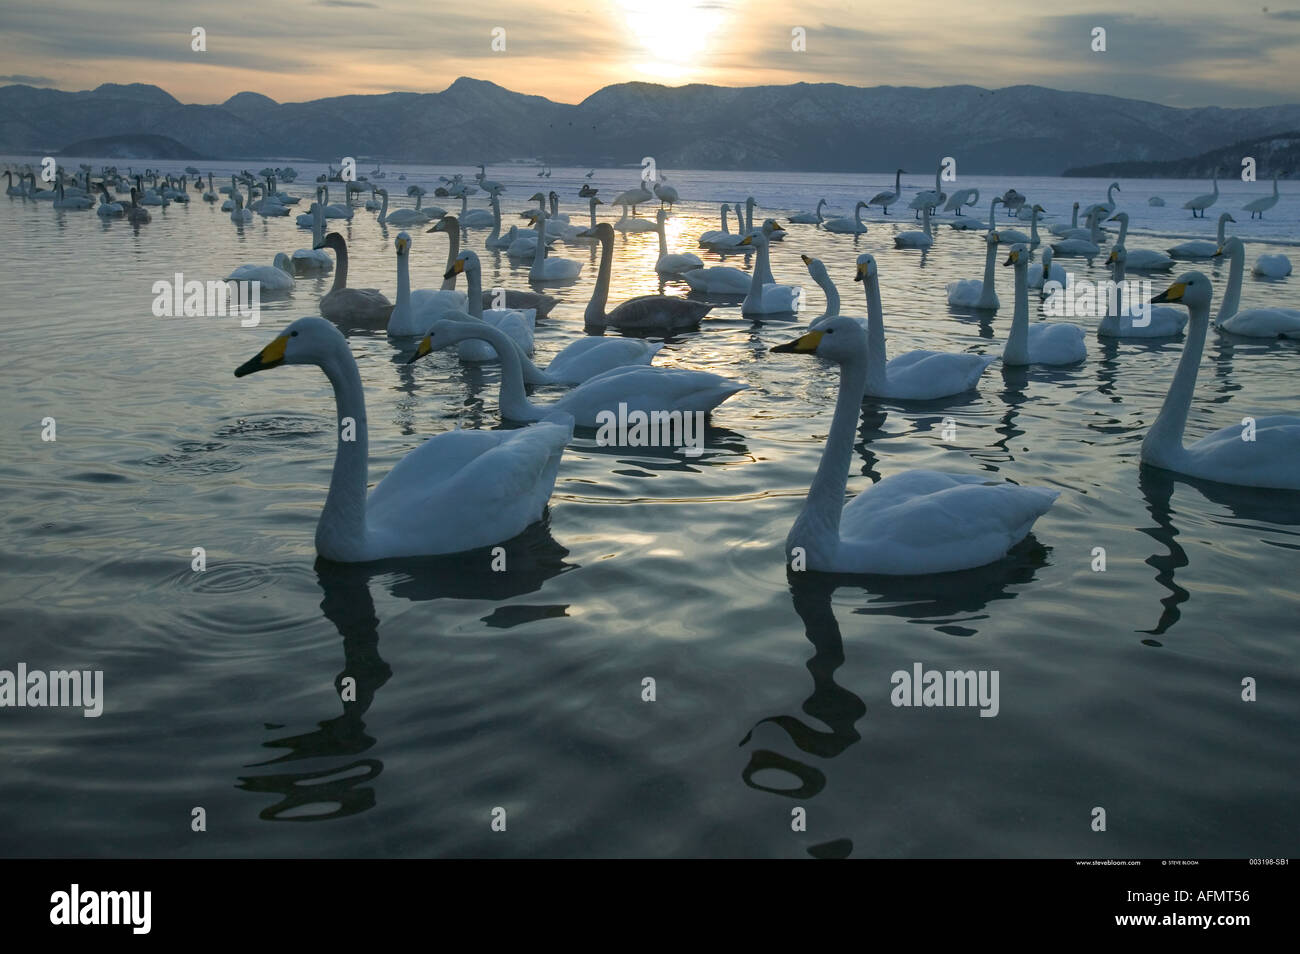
803	126
1274	154
130	147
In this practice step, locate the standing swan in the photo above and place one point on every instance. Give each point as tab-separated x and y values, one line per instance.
1044	342
1263	204
644	312
915	522
457	491
1272	459
1203	202
886	199
341	303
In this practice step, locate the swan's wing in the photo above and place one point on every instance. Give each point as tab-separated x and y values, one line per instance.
1267	461
590	356
647	388
927	522
653	310
1264	322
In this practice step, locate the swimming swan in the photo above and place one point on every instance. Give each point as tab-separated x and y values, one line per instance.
1043	342
1253	322
640	313
341	303
974	293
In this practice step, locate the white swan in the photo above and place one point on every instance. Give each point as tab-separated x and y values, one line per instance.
1263	204
1270	460
1043	342
1073	246
974	293
914	522
917	375
1202	248
314	260
1163	321
550	269
1046	271
960	198
495	239
517	324
640	313
817	269
399	217
1203	202
930	197
415	313
851	225
1156	201
272	278
473	218
644	388
458	491
970	224
588	357
724	235
671	264
107	207
239	215
341	303
1140	259
335	211
1017	237
766	298
1253	322
809	218
718	280
1062	229
1107	207
923	239
1271	266
886	199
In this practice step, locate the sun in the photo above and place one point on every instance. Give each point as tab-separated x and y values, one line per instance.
676	36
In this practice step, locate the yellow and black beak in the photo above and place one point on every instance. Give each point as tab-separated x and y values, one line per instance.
268	357
1112	258
425	347
805	344
747	240
1173	293
402	245
457	268
1218	252
806	259
1012	258
776	226
861	274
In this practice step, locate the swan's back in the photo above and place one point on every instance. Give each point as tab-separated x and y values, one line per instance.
657	311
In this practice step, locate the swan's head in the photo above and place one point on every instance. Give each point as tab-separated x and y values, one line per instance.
453	328
772	225
1225	217
283	262
992	238
305	341
1230	245
603	231
758	238
334	241
1076	205
1037	208
1020	256
465	261
841	339
1191	289
537	197
1118	217
866	267
816	268
402	243
448	223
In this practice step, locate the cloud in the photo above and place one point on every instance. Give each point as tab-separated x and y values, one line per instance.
344	3
26	80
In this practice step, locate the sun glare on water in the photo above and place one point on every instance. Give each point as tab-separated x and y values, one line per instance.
675	36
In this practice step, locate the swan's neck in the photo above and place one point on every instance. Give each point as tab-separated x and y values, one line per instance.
496	222
342	527
1074	221
1033	229
595	313
990	270
925	220
817	529
383	211
1232	294
761	267
898	182
1275	187
539	253
818	213
464	204
1123	230
593	214
1017	349
832	294
1165	439
749	215
663	240
1223	226
937	174
877	379
725	230
514	400
474	290
403	282
340	269
993	212
453	250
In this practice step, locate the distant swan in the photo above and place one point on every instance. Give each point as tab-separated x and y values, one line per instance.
886	199
1162	321
809	218
976	293
852	225
1263	204
1043	342
1201	248
277	277
1253	322
766	298
1203	202
640	313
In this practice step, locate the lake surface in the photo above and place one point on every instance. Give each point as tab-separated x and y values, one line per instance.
476	690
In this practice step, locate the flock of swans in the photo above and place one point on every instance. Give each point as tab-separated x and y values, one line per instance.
467	489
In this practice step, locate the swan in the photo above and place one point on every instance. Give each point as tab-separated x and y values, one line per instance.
645	388
640	313
969	224
1013	201
1046	271
335	211
1253	322
1141	259
767	298
341	303
713	236
473	218
672	264
1203	202
1044	342
1271	266
1107	207
930	197
516	323
550	269
1156	201
974	293
817	269
632	197
314	260
773	228
914	522
960	198
496	239
886	199
239	214
1263	204
136	214
917	375
666	194
107	207
1062	229
457	491
717	280
923	239
844	224
1164	321
399	217
490	186
271	278
1016	237
1088	248
76	203
11	189
1267	461
809	218
307	220
588	357
415	313
1201	248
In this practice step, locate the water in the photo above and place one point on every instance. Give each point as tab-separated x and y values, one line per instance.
523	690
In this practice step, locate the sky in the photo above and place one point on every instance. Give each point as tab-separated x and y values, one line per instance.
1182	53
